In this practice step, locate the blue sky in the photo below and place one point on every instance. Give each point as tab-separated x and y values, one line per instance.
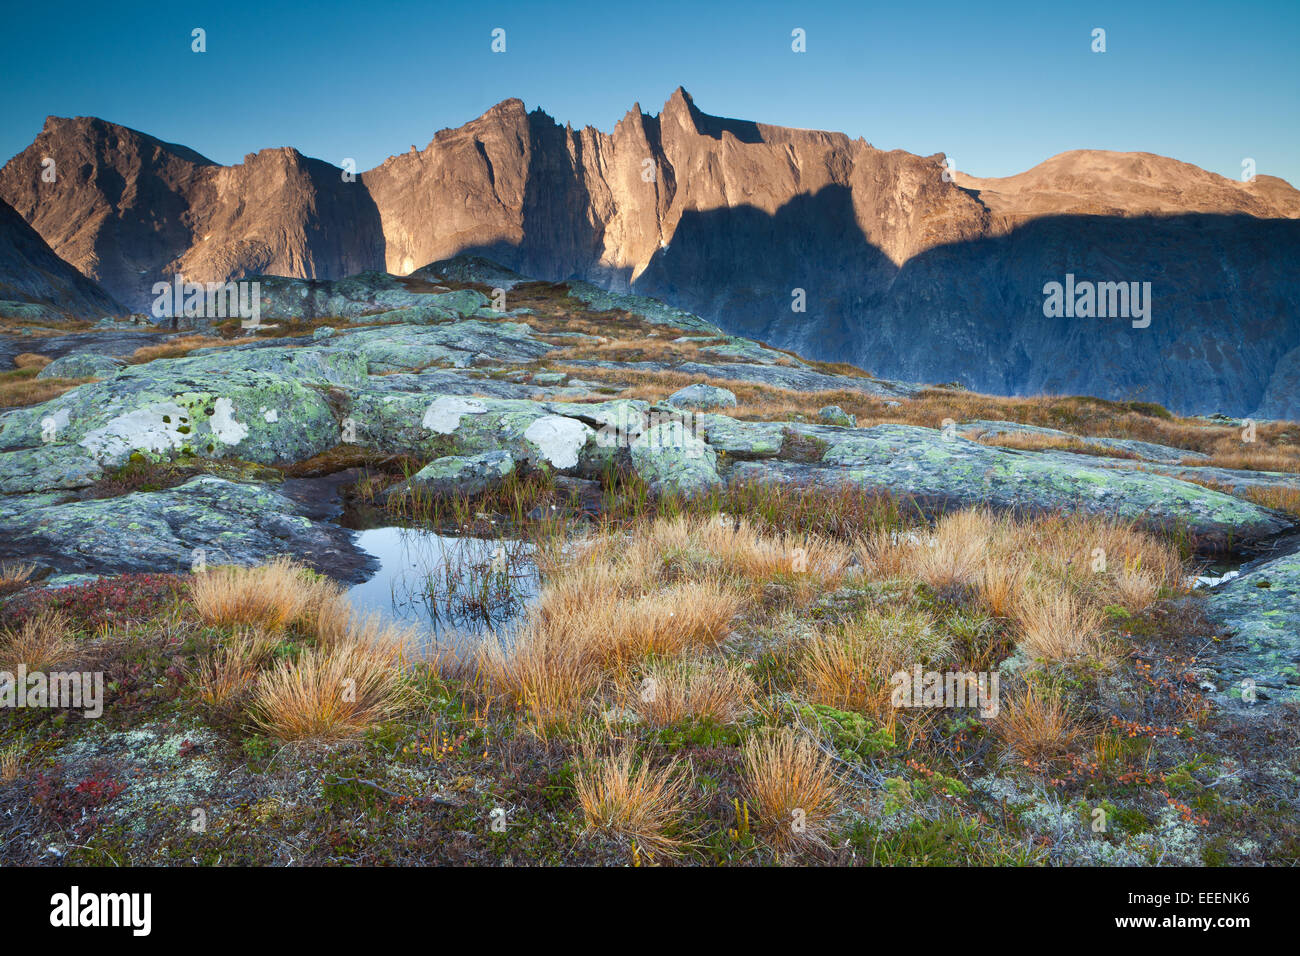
998	87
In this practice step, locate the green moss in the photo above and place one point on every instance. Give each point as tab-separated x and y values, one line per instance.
852	734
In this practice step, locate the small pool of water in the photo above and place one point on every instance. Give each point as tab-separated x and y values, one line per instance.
449	588
1211	578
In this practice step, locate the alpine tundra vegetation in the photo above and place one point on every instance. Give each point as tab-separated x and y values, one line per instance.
698	599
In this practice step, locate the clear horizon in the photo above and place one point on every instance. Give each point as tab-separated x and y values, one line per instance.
1179	80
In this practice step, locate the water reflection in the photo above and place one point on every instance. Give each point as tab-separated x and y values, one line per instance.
447	587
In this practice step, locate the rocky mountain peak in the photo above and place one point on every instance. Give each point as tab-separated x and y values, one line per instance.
905	270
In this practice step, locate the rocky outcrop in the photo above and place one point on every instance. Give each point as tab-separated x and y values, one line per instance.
32	274
462	389
459	474
207	520
82	365
806	239
1258	662
129	210
700	396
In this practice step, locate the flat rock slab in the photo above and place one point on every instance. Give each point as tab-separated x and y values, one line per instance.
795	379
1259	614
56	346
164	531
1151	451
921	463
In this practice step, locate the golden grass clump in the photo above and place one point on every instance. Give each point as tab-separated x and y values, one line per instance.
672	691
1055	625
693	615
226	675
178	347
1037	725
1074	547
1278	497
613	603
271	596
40	642
849	668
1000	585
734	547
954	557
15	577
624	795
539	670
1135	589
331	693
31	360
19	388
791	787
11	762
1096	560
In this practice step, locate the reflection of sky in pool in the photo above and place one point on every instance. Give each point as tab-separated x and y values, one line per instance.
411	583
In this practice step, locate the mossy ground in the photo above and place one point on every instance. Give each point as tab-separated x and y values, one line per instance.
162	778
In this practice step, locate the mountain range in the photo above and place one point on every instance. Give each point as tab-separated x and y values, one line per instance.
808	240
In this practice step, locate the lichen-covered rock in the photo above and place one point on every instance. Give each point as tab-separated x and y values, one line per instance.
742	440
163	410
923	463
673	459
404	348
82	365
1151	451
49	466
834	415
1259	613
733	348
652	310
469	269
462	474
440	425
207	518
700	396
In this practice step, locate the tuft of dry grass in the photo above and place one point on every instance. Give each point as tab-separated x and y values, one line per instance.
21	388
849	668
40	642
270	596
31	360
330	693
733	547
672	691
1135	588
1050	574
11	762
954	557
1031	441
542	672
624	795
1055	625
225	676
791	787
1000	585
15	577
1278	498
1037	725
178	348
